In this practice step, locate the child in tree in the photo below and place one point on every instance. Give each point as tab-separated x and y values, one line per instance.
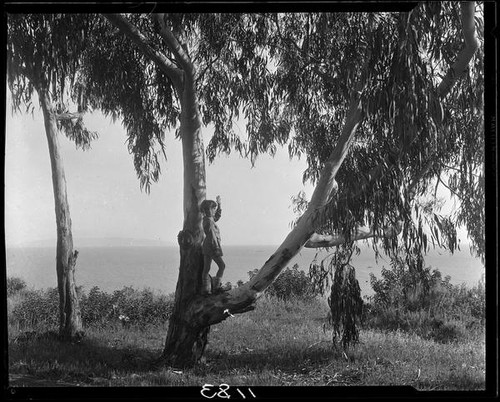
212	250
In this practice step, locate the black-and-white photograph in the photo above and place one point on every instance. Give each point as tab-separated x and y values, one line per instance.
239	202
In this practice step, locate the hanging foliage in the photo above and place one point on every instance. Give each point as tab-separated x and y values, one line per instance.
345	301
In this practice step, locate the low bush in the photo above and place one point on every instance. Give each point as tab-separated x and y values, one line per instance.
96	307
15	285
128	305
36	309
424	303
40	309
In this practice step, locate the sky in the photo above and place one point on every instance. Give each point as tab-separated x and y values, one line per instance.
106	201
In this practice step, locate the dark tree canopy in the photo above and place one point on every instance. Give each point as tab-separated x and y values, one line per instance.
290	76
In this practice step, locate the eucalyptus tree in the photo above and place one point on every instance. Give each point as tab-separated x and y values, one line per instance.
313	80
42	61
420	80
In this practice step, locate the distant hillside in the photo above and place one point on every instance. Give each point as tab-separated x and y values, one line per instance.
100	242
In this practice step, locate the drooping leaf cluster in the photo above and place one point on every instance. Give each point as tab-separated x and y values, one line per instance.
237	77
345	301
122	84
43	55
236	80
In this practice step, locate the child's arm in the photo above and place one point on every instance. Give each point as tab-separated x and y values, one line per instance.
218	213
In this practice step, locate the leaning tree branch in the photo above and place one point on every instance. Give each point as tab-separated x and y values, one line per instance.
145	47
206	311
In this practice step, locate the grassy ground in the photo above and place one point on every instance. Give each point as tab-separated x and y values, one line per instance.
279	343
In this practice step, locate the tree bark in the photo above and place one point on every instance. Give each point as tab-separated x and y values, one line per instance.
70	323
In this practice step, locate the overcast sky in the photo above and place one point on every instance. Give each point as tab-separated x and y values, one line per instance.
106	201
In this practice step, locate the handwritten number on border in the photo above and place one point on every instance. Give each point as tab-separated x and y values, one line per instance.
208	392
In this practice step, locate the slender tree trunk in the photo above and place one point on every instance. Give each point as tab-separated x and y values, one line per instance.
70	323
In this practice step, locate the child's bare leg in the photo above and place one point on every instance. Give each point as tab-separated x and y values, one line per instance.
206	284
222	266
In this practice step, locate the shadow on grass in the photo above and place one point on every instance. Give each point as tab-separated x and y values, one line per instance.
286	359
46	356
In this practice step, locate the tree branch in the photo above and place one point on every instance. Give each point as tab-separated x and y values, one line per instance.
465	56
143	45
68	115
320	241
456	169
175	47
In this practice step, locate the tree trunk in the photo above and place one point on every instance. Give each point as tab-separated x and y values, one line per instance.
186	341
70	323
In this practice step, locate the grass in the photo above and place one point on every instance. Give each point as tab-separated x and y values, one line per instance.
280	343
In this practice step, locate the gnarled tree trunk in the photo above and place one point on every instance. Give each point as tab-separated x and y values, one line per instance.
70	323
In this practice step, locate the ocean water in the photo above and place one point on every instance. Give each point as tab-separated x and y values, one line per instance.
112	268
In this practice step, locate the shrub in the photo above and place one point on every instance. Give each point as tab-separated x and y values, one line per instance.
128	305
15	285
445	332
40	309
424	303
97	307
290	283
142	307
37	309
